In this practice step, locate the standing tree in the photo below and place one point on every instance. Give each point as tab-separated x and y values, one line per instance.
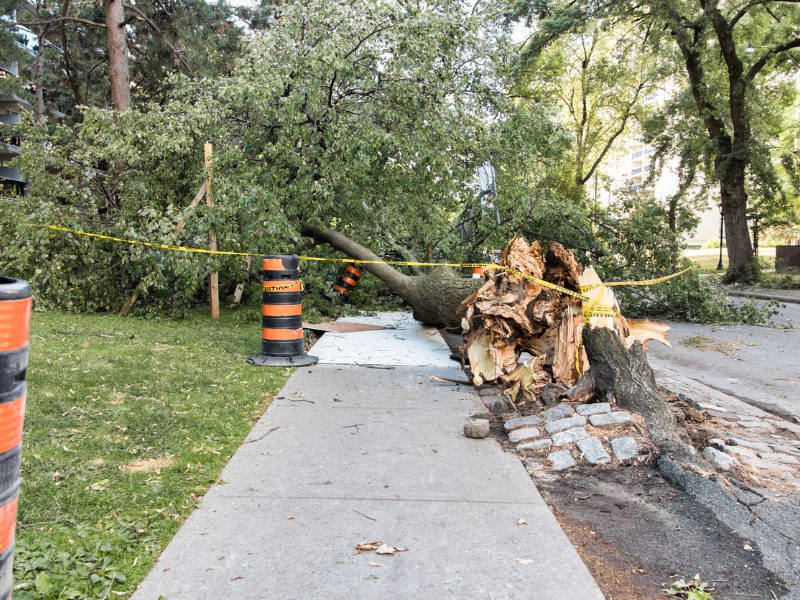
732	57
600	74
117	41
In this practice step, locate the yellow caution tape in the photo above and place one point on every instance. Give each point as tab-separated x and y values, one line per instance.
148	244
590	307
656	281
268	286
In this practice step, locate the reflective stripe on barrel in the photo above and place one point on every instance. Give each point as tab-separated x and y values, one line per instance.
281	310
15	316
12	415
270	334
8	520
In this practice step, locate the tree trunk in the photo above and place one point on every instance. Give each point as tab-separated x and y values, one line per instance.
626	373
38	78
742	265
434	297
118	74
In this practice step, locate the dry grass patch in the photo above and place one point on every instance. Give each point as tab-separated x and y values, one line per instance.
147	465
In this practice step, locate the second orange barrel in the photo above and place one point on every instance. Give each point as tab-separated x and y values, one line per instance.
348	281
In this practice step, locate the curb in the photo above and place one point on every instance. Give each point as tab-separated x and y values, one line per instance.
765	296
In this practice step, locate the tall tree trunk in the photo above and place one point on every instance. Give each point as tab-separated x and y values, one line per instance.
434	296
118	74
742	266
38	78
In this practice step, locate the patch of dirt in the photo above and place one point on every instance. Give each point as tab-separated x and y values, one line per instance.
147	465
700	342
637	534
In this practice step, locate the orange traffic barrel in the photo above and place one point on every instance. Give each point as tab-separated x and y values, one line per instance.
348	280
477	273
282	314
15	315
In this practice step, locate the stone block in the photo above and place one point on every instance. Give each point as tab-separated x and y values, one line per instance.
779	458
612	419
541	444
593	451
593	409
740	451
718	458
518	422
526	433
625	448
561	411
757	446
564	424
765	465
476	428
560	460
569	436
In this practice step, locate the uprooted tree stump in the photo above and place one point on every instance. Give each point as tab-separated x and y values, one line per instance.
580	345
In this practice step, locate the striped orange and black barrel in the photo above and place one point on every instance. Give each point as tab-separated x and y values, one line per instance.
348	281
281	309
15	314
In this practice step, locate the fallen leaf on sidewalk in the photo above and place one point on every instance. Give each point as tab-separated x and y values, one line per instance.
374	564
385	549
522	522
367	546
524	561
290	518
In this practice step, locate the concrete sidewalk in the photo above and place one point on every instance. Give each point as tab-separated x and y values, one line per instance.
350	454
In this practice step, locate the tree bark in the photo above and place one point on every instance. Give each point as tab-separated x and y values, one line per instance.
38	78
742	265
626	373
434	297
731	142
118	74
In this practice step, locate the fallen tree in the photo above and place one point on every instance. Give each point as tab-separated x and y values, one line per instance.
433	296
580	345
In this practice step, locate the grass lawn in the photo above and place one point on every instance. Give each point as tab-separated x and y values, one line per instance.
128	422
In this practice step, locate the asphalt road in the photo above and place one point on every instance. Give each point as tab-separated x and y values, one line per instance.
758	365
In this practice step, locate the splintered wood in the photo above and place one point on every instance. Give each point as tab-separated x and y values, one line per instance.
510	315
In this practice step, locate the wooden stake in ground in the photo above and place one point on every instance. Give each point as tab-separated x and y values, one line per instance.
212	236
